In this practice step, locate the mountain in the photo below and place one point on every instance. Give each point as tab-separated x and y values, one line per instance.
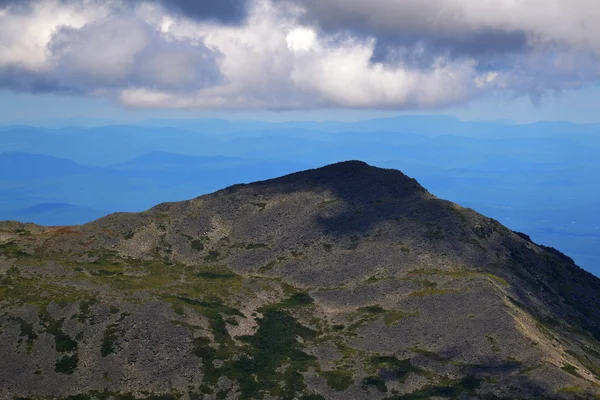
28	182
57	214
19	165
347	281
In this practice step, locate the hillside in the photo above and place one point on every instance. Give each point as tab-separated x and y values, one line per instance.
343	282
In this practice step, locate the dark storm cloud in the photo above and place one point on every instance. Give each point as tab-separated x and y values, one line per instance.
486	45
227	11
224	11
428	24
22	80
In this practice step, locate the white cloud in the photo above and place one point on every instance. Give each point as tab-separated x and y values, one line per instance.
301	39
24	38
304	53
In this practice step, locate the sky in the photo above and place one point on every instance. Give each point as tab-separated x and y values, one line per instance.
127	60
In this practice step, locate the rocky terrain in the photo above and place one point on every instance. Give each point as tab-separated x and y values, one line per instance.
344	282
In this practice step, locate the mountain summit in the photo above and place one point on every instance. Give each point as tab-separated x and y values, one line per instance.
347	281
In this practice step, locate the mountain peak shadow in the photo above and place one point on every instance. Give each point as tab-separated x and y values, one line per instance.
364	195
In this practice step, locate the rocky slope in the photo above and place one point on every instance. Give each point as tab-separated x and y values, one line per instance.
344	282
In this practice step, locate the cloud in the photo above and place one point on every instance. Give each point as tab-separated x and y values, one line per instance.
290	54
118	52
228	11
225	11
560	21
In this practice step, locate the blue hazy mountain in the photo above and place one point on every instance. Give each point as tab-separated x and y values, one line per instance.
54	191
537	178
19	165
54	214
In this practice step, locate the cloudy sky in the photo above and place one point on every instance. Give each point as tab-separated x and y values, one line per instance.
496	59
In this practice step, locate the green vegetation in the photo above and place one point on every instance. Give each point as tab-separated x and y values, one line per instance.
493	344
106	395
26	331
110	340
84	309
435	234
459	274
446	388
393	317
429	288
197	245
400	368
66	364
271	356
212	256
375	381
261	206
253	246
571	369
297	300
338	380
481	232
364	315
11	249
217	272
571	389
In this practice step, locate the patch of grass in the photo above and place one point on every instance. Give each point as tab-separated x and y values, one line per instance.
481	232
215	273
297	300
435	234
63	342
66	364
447	388
493	344
393	317
84	309
511	361
212	256
585	360
459	274
398	368
375	279
274	344
338	380
371	313
253	246
197	245
570	389
327	202
327	247
261	206
269	362
430	354
110	340
375	381
18	287
312	396
12	250
571	369
429	289
26	331
431	292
